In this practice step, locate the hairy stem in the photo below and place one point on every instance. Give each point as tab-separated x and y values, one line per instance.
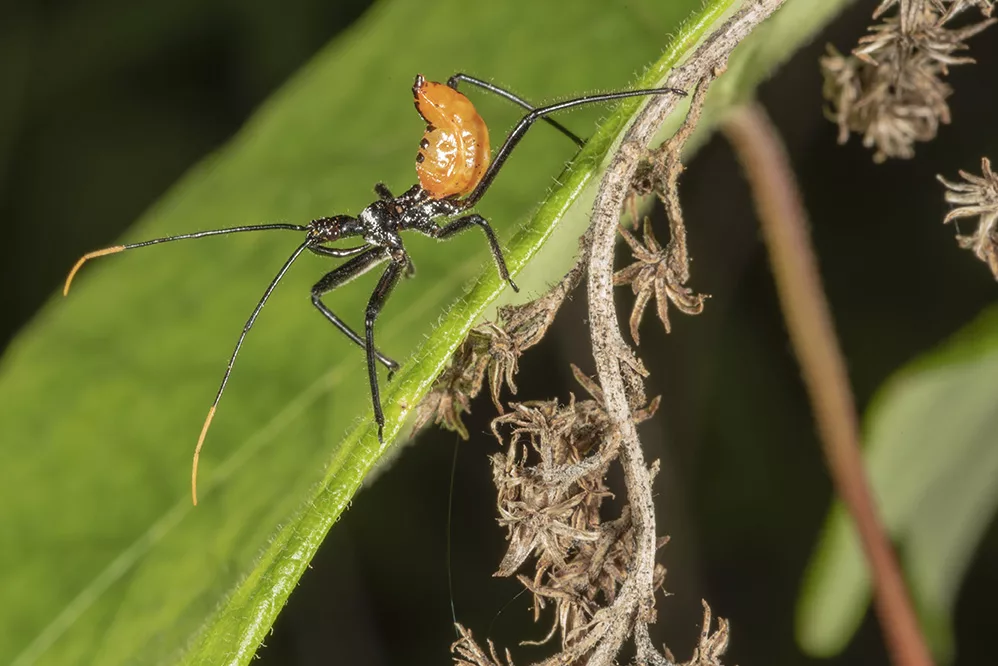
609	348
812	333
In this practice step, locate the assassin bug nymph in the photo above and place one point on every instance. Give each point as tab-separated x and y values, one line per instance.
454	169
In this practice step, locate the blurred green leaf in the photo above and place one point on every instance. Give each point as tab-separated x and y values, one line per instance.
932	456
102	396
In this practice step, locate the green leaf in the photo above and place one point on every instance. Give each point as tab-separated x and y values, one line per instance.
102	396
932	459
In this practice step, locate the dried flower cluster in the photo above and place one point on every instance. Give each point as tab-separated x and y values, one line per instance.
456	386
710	648
892	89
978	196
494	348
551	487
660	271
655	273
597	574
467	652
712	645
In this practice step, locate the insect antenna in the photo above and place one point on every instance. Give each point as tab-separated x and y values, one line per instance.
235	352
200	234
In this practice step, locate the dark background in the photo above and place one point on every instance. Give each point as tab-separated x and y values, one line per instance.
151	87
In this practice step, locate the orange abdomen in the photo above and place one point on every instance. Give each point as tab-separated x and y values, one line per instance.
454	152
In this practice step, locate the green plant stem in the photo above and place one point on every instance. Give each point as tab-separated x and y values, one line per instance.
783	220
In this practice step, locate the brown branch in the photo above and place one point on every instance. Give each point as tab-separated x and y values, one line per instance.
635	604
812	333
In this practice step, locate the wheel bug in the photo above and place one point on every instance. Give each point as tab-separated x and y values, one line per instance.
454	171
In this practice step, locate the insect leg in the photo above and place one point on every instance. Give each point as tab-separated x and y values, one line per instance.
360	264
381	292
466	222
383	192
516	135
506	94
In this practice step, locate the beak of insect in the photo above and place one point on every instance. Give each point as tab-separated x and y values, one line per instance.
321	231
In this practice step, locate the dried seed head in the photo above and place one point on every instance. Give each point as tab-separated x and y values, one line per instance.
656	273
891	90
467	652
455	387
550	482
712	645
492	347
977	197
504	363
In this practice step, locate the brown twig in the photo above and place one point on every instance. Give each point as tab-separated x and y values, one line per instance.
812	333
634	605
598	640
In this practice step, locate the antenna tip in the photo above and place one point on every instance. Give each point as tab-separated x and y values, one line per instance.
82	260
197	454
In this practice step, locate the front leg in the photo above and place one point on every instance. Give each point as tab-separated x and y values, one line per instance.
339	277
464	223
386	284
383	192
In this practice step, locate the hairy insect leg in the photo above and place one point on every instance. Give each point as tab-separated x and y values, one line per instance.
383	192
466	222
381	292
339	276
